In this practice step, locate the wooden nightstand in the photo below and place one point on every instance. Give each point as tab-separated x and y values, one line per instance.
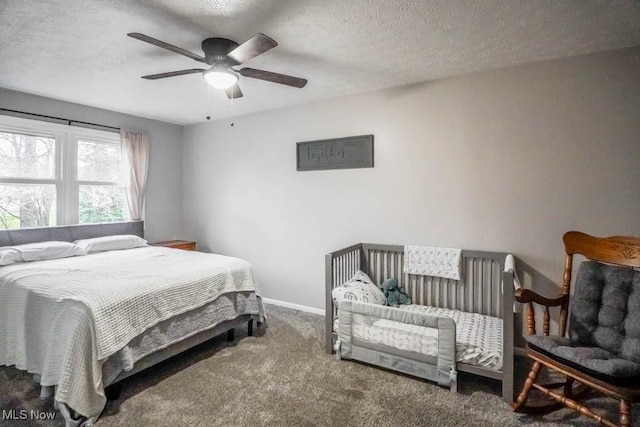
177	244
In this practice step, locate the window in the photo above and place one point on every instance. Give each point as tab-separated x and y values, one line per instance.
28	180
101	195
53	174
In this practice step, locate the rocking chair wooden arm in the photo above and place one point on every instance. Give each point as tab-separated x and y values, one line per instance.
527	295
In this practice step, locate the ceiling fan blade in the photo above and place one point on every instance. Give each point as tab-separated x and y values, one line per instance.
173	74
233	92
253	47
167	46
273	77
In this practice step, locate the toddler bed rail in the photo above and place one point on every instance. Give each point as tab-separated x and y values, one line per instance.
480	290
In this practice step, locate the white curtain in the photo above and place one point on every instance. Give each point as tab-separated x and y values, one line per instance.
135	161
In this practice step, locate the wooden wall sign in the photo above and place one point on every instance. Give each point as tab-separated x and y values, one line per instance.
337	153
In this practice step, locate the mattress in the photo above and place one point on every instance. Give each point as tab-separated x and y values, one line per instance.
61	319
478	337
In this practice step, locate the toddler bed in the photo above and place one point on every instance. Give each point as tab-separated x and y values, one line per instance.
452	325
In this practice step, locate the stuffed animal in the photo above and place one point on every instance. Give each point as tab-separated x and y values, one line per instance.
395	294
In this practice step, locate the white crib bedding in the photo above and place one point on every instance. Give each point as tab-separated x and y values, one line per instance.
478	337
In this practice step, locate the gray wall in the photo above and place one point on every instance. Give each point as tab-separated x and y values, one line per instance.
507	159
164	185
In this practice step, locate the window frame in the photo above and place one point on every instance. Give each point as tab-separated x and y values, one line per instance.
65	178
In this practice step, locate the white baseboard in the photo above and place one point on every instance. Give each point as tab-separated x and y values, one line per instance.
294	306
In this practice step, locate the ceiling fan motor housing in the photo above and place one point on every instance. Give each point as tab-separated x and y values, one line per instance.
216	50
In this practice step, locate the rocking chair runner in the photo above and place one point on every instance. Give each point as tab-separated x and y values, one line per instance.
602	350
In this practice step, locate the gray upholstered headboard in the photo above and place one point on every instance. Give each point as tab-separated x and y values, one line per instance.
69	233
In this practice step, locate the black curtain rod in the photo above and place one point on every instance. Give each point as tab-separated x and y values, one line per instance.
60	119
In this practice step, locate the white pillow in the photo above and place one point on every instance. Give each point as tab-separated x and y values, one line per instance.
111	243
359	288
9	256
39	251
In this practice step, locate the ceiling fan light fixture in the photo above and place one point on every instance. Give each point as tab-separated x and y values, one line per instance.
220	77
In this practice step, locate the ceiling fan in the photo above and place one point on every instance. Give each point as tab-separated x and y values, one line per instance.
223	55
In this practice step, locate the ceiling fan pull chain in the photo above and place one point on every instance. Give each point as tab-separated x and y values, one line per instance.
208	102
232	111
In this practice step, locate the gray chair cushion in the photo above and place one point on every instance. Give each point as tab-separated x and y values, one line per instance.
594	361
605	309
604	325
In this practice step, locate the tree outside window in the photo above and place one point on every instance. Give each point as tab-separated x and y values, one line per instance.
101	190
28	193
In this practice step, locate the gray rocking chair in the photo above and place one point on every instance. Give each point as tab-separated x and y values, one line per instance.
602	349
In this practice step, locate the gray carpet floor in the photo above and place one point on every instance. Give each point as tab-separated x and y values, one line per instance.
282	377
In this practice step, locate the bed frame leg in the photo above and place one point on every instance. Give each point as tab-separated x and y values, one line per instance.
112	392
230	335
250	328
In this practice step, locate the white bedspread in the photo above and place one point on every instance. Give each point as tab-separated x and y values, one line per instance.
62	318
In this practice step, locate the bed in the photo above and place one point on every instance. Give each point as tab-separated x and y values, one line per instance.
79	324
478	300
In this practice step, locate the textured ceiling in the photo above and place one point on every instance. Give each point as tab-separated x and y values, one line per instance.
78	51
